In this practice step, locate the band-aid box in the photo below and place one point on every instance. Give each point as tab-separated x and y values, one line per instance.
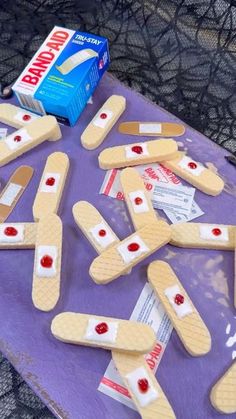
63	74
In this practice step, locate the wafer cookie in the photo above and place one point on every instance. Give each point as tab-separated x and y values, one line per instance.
18	235
223	394
16	117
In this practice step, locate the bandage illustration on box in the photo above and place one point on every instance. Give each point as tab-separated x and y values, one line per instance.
137	198
28	137
103	121
16	117
137	153
164	129
76	59
203	236
196	174
223	394
47	263
121	257
184	316
12	192
48	196
145	391
103	332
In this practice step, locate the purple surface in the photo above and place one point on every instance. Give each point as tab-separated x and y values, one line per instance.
66	377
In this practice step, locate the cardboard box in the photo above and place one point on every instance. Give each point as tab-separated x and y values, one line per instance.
63	74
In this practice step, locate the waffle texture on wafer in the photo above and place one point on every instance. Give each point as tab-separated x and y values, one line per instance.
223	394
18	235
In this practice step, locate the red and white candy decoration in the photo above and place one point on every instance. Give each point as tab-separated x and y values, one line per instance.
46	261
191	166
178	301
102	234
138	201
100	331
25	116
214	232
132	248
11	233
17	139
50	182
136	151
141	386
102	118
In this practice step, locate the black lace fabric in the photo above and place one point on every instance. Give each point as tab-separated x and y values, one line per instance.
179	53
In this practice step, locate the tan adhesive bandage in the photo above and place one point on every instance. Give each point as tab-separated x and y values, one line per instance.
103	122
137	198
103	332
139	153
16	117
93	226
117	260
223	394
13	190
18	235
143	387
196	174
203	236
76	59
28	137
164	129
47	263
48	197
185	318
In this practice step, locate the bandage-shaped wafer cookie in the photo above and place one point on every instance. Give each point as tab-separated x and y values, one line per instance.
76	59
137	198
47	263
196	174
13	190
93	226
103	332
139	153
223	394
16	117
38	131
164	129
18	235
117	260
51	186
203	236
103	122
183	315
235	271
143	387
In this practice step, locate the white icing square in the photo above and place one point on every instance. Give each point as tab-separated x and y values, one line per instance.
19	116
207	234
13	145
184	164
100	122
129	256
48	188
150	395
181	310
12	239
150	129
132	155
103	241
108	337
10	194
140	208
43	251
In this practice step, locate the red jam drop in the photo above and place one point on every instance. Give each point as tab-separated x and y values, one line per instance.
133	247
46	261
138	200
137	149
50	181
101	328
192	165
17	138
102	233
143	385
10	231
179	299
26	117
216	231
103	115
